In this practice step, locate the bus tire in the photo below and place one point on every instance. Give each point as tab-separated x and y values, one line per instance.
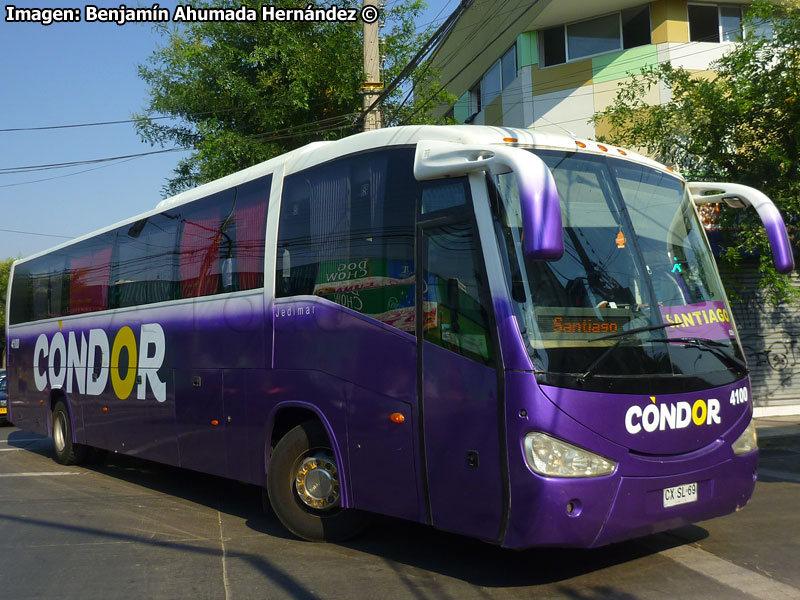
67	452
312	512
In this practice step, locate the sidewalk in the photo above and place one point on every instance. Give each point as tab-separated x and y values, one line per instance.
768	427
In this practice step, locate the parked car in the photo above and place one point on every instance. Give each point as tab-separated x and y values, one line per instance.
3	400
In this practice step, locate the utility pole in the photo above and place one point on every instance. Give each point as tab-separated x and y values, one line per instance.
373	86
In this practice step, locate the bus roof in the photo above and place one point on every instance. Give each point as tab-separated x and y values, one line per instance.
320	152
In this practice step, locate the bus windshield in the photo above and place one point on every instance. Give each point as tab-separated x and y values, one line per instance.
636	294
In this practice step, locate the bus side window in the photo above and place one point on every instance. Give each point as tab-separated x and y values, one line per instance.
50	287
200	245
90	271
346	234
247	233
143	270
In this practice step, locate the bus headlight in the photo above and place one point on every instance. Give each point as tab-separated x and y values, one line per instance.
748	441
549	456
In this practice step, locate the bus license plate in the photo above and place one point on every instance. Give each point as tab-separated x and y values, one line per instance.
3	411
680	494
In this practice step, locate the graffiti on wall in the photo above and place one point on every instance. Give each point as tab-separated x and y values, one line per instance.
771	340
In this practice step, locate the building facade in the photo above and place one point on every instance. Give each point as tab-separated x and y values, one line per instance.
552	64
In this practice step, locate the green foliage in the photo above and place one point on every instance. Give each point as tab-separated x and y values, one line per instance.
5	270
743	126
240	93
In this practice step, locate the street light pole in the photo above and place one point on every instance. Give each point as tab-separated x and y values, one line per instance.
373	85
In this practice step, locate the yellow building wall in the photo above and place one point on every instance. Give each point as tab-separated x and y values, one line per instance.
669	21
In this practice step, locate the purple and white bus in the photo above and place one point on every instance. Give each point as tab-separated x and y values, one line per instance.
509	335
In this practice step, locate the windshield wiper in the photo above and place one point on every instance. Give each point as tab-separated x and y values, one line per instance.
713	346
623	335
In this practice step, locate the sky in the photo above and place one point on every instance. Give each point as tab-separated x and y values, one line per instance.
77	73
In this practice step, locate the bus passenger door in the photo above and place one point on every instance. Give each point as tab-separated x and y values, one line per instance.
460	397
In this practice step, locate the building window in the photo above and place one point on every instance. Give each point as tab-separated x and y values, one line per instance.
475	99
593	37
625	29
714	23
491	84
499	75
636	27
509	66
554	50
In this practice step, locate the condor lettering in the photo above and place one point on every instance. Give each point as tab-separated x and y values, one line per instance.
70	362
677	415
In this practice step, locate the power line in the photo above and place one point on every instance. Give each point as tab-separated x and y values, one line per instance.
464	68
66	175
437	36
66	237
76	163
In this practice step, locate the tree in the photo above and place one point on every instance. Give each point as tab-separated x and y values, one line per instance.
742	125
5	271
242	92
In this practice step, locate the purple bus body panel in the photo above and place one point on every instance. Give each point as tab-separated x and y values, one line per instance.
626	503
200	337
371	370
607	414
354	373
461	415
237	398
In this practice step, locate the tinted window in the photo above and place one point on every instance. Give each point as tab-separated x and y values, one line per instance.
210	246
636	27
247	232
444	193
703	23
90	272
201	243
143	270
21	309
347	234
222	244
456	307
554	49
48	287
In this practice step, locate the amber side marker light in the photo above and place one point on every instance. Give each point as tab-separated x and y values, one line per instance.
621	151
580	144
215	422
603	148
510	140
397	418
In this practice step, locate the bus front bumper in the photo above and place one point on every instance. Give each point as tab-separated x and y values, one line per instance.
595	512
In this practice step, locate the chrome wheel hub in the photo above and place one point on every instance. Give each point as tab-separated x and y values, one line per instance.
317	482
59	433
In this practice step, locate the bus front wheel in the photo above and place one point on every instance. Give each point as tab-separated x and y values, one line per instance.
303	487
67	452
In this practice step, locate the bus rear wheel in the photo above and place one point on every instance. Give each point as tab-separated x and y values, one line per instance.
303	487
67	452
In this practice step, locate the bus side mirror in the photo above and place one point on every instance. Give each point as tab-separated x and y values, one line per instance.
737	195
543	238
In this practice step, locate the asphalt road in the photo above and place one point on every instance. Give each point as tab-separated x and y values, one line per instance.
132	529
